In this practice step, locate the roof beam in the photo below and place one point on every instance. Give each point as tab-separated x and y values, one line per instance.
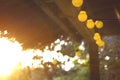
70	11
54	18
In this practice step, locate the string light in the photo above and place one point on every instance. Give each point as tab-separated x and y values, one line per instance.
77	3
90	24
96	36
82	16
78	54
100	43
54	62
99	24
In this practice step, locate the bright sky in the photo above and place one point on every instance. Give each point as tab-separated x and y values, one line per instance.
12	54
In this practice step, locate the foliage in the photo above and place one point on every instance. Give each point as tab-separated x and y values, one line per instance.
74	64
81	69
110	58
79	72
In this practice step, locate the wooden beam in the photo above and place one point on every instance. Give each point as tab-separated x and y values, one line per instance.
94	61
54	18
71	13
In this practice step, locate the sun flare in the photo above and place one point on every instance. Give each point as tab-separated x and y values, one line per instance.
9	55
13	57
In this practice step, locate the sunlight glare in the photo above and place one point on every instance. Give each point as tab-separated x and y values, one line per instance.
13	57
9	55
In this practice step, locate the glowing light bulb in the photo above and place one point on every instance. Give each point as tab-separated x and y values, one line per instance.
99	24
54	62
96	36
77	3
78	54
100	43
82	16
90	24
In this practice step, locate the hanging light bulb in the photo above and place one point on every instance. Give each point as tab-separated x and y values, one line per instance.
99	24
78	54
77	3
90	24
96	36
82	16
100	43
54	62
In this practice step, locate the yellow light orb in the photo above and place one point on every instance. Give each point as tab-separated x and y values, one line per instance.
82	16
77	3
100	43
90	24
96	36
54	62
78	54
99	24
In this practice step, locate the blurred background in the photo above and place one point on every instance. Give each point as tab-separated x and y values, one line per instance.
57	40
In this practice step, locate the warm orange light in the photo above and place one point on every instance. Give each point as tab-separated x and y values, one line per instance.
99	24
82	16
77	3
96	36
100	43
78	54
54	62
9	55
90	24
13	57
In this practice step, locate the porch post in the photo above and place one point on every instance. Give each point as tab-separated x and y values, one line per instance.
94	61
